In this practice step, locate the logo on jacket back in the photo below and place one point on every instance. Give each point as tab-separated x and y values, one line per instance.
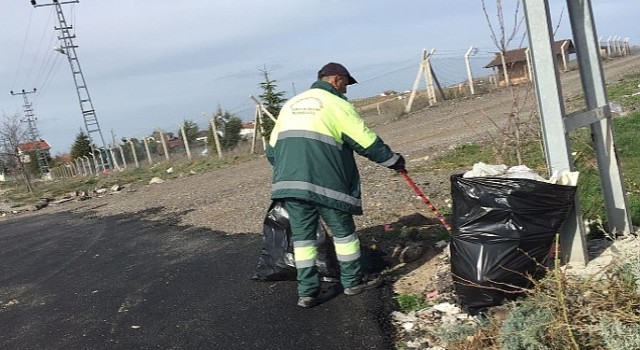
309	105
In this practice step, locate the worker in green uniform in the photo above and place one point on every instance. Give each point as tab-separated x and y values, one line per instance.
312	149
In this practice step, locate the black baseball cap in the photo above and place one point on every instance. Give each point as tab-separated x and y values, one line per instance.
333	68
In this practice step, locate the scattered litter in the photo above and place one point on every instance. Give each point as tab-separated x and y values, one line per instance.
447	308
480	169
156	180
432	294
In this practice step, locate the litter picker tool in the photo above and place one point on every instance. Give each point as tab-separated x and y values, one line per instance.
426	200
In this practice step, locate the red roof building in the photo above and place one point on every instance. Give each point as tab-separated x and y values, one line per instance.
29	147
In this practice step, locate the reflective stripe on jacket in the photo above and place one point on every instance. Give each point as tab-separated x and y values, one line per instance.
312	149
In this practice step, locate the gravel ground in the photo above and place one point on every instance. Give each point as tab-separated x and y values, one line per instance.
234	199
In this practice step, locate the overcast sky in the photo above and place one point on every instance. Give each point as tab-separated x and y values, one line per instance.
152	64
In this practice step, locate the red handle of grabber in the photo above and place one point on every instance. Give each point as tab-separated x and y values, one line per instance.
426	200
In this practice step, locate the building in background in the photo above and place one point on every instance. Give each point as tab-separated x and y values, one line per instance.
518	65
28	148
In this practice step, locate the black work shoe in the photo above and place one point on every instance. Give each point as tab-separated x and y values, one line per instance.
363	286
308	302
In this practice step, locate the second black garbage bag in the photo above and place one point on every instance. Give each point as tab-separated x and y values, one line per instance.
503	229
276	261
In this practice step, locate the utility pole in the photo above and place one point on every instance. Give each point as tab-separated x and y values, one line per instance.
68	49
34	138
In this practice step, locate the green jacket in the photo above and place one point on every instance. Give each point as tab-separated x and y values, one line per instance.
312	149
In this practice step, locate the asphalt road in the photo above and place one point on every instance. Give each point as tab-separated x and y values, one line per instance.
78	281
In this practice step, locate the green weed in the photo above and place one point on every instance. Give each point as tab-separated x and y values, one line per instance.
411	302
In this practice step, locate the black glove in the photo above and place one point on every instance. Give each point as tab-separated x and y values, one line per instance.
398	165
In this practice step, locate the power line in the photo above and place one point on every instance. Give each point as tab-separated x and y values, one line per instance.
24	44
35	57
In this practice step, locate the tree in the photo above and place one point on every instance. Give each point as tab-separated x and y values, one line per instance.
272	100
81	146
33	165
191	129
231	133
514	132
228	126
12	135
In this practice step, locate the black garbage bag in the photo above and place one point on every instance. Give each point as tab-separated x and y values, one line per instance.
503	230
276	261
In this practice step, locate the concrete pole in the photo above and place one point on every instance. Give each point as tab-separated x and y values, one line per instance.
627	50
78	166
164	144
135	154
113	158
185	141
472	51
609	47
254	137
214	130
88	170
95	164
430	81
84	165
504	69
264	110
124	161
563	49
146	147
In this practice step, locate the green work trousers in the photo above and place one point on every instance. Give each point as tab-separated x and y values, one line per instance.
304	219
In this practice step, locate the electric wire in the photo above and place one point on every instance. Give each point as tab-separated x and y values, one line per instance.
37	54
24	45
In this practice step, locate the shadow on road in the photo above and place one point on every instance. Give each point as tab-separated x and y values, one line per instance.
138	281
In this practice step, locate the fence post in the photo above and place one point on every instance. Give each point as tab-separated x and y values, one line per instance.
135	154
164	144
507	82
124	160
185	141
146	147
422	70
214	131
472	51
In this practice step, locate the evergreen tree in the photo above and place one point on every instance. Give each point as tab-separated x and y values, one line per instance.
231	133
272	100
191	129
33	165
81	146
228	126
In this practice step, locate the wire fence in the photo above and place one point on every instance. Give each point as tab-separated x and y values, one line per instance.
413	83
